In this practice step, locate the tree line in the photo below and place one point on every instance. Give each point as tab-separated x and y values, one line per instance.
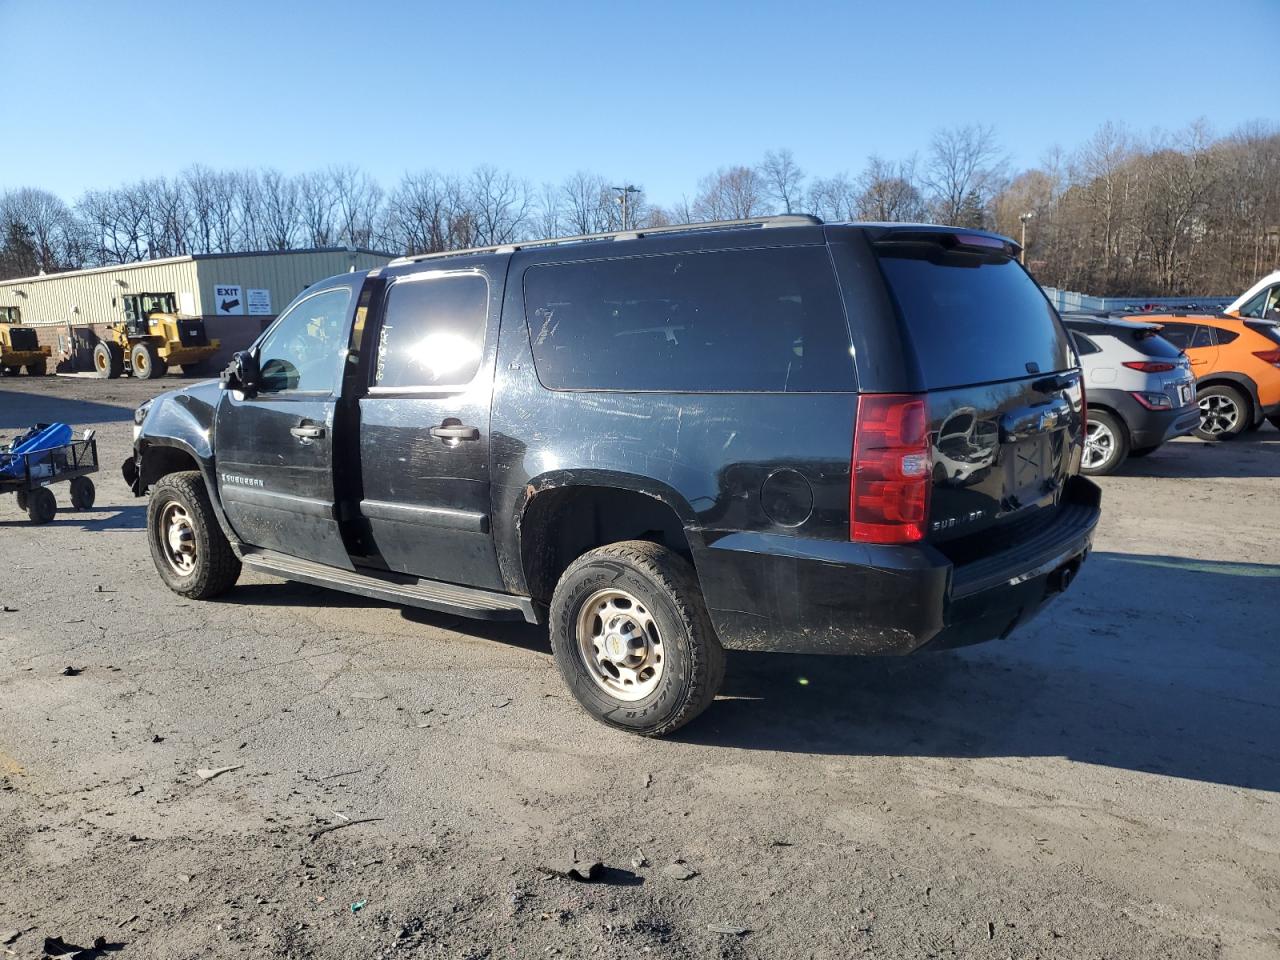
1162	214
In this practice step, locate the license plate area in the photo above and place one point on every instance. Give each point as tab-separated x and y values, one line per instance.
1028	465
1186	393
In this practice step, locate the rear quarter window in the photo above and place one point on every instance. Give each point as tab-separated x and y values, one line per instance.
765	320
972	317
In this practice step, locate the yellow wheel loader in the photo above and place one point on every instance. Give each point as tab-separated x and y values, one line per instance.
19	346
153	338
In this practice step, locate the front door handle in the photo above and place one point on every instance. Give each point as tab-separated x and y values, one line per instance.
307	431
455	432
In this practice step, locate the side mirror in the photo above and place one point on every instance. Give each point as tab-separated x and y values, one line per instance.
242	373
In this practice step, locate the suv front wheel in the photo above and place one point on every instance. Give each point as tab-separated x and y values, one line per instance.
633	639
189	548
1106	444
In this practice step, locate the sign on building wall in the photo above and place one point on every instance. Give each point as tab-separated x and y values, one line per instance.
259	302
228	300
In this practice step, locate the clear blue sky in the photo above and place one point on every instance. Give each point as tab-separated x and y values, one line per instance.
659	93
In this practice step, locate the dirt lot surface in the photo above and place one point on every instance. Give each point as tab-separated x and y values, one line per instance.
1106	783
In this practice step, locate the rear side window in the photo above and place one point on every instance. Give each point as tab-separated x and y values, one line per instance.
1155	345
1224	336
729	321
1084	345
1187	336
432	331
972	317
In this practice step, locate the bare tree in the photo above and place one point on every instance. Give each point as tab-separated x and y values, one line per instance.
500	204
45	222
963	173
887	192
317	207
784	179
278	210
833	198
731	193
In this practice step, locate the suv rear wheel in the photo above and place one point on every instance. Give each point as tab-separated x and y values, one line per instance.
633	639
1106	444
1224	413
188	547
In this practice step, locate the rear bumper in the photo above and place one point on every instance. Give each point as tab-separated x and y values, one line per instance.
771	592
1148	428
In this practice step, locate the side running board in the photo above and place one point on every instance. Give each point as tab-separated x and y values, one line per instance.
395	588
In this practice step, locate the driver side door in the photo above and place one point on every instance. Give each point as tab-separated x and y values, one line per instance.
274	447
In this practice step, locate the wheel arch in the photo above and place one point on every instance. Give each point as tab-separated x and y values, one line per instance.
1241	382
564	514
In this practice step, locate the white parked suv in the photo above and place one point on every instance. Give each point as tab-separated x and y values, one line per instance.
1140	389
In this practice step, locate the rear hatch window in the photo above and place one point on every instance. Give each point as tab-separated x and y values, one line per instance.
972	315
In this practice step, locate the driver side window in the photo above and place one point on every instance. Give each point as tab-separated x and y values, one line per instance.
301	351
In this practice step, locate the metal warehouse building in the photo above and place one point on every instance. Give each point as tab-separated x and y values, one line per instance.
237	295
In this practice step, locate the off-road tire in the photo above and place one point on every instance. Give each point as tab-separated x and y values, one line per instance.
41	505
108	359
693	660
1243	405
82	493
36	369
145	360
1119	447
216	566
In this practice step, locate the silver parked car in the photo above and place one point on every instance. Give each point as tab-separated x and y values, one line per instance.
1140	389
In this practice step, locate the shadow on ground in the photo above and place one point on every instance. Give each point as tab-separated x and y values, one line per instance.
1254	454
1123	672
1134	668
118	518
21	409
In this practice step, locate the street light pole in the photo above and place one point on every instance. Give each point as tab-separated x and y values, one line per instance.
1022	254
623	193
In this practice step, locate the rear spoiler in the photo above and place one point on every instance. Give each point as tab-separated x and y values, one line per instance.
959	238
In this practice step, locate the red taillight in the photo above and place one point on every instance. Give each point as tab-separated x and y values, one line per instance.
889	486
1268	356
1150	366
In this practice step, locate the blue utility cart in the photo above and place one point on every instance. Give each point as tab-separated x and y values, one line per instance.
47	454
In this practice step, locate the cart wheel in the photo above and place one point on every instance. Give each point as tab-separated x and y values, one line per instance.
40	505
82	493
22	499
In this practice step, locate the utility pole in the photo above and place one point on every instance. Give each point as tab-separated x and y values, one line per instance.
623	193
1022	254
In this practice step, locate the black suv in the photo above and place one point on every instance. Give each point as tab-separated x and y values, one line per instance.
773	434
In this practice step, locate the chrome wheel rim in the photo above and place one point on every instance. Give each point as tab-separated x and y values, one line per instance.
1218	414
178	538
1099	445
619	643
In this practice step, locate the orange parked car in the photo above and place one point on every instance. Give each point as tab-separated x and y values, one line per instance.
1236	360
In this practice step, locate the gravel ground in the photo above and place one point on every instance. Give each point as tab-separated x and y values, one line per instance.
1102	784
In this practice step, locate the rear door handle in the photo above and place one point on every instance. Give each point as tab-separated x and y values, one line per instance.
456	432
307	431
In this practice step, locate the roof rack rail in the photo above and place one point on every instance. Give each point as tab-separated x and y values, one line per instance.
781	220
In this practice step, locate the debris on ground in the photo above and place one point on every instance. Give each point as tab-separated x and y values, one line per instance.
639	860
329	828
729	929
572	869
58	949
72	671
679	870
208	773
8	936
359	905
501	702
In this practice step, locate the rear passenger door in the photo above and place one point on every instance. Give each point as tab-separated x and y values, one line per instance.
1196	340
424	424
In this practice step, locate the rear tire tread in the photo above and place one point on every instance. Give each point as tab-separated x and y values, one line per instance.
677	578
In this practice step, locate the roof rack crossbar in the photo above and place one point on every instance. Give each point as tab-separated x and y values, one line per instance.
781	220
